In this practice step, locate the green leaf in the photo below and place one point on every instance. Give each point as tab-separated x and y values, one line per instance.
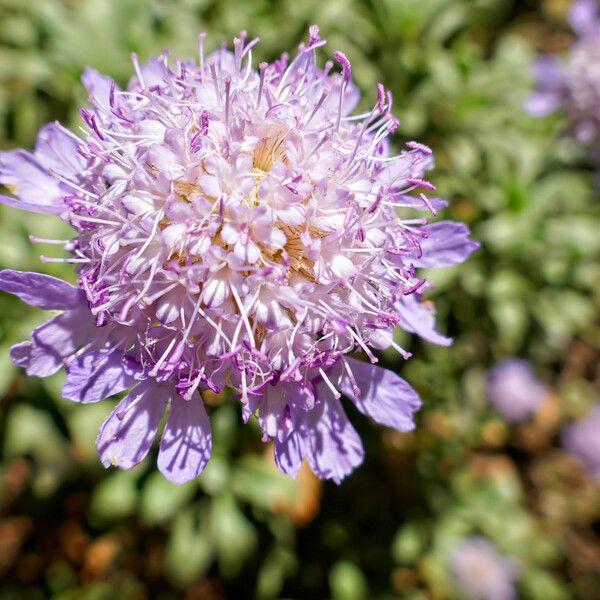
348	582
260	483
116	495
409	542
235	537
161	499
190	549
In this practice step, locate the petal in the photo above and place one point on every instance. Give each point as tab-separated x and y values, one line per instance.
333	448
20	354
135	205
168	307
43	291
342	267
224	58
57	150
36	190
95	376
384	396
153	72
351	98
276	239
30	176
30	206
447	244
174	236
295	214
52	342
276	403
165	160
247	252
419	317
98	87
289	454
186	442
351	95
325	437
417	203
230	234
127	434
214	292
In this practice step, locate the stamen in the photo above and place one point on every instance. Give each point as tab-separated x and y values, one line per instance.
330	385
227	82
318	105
201	40
262	69
244	315
38	240
138	70
347	74
47	259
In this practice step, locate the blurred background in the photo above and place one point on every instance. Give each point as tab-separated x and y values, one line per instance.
487	489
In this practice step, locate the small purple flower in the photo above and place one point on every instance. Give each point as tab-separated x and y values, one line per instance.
573	85
582	440
481	572
234	228
514	391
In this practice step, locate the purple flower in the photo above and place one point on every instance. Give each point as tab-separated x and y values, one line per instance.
481	572
573	85
234	228
513	389
582	440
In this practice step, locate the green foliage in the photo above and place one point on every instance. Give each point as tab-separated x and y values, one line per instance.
347	582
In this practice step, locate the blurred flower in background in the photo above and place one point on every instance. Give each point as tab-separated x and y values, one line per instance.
513	390
481	572
582	441
574	85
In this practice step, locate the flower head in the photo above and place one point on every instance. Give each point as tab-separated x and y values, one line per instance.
513	390
582	440
573	85
481	572
235	228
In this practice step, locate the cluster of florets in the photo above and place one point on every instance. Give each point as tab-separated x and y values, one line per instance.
236	228
574	86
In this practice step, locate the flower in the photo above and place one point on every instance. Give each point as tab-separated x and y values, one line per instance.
481	572
582	441
234	228
575	85
513	389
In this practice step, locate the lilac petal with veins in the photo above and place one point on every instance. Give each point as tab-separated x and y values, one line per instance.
52	343
186	442
127	435
36	179
384	396
447	244
96	375
322	436
42	291
417	316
